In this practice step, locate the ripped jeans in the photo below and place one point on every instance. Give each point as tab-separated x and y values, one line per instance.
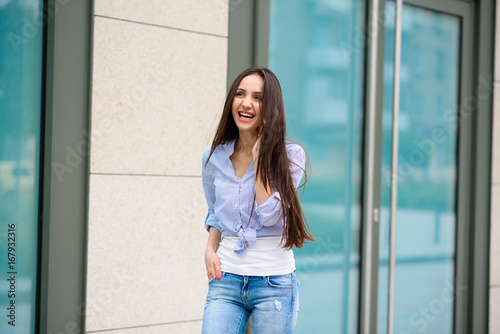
273	302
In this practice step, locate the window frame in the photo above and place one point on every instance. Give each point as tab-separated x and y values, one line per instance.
64	212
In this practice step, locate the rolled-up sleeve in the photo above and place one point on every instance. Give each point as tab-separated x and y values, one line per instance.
270	212
207	177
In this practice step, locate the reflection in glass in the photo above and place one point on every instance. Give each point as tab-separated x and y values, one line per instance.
317	51
21	36
426	218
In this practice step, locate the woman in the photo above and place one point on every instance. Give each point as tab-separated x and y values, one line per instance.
250	175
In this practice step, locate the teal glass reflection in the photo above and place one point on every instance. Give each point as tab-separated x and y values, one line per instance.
427	171
317	51
21	36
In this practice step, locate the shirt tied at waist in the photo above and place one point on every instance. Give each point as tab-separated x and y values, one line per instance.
246	236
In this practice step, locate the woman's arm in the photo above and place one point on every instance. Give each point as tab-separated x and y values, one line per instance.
212	260
262	193
269	210
212	223
208	181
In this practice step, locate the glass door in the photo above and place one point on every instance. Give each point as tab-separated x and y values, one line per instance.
314	50
426	214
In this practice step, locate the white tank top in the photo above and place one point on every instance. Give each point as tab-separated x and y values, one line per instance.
266	258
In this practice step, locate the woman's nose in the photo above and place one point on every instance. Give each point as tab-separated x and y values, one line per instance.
246	103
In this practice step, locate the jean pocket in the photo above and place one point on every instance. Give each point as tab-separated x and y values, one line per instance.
280	281
221	277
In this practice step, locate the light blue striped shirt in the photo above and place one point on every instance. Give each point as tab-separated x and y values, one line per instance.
230	199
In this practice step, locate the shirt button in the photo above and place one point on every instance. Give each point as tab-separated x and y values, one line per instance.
236	205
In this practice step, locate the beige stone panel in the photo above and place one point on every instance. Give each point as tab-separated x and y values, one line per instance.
496	135
495	236
157	96
145	251
494	310
191	327
208	16
497	44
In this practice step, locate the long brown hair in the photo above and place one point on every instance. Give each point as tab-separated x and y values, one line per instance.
273	161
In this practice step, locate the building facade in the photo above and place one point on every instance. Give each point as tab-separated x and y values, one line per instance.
107	106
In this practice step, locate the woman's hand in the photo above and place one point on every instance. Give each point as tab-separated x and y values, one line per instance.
256	146
212	263
255	149
262	193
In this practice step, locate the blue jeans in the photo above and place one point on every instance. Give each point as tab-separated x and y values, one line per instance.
273	302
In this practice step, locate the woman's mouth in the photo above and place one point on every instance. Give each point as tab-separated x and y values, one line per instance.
245	116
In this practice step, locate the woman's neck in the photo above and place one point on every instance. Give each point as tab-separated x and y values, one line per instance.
245	142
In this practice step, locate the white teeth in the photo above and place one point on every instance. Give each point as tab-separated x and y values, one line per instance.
244	114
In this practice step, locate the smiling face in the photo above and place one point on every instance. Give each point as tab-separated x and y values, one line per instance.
247	103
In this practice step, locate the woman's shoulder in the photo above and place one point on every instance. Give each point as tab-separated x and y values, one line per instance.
295	150
218	153
206	153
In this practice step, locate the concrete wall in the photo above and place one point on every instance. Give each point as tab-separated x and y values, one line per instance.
159	78
495	194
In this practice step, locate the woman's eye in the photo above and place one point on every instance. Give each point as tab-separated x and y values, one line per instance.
258	98
239	94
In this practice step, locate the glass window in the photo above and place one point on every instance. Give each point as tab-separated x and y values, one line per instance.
21	54
317	50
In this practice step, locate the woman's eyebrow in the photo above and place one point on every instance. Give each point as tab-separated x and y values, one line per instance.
246	91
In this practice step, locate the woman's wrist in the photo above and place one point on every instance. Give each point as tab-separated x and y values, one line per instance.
210	249
214	238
